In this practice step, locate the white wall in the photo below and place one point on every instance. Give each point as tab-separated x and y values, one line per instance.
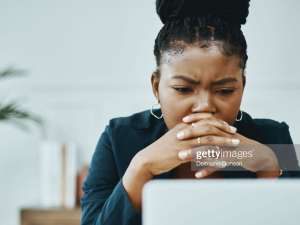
91	60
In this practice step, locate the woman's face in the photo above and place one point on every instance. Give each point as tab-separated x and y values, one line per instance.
198	80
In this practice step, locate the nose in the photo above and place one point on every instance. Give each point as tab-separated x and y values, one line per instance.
203	103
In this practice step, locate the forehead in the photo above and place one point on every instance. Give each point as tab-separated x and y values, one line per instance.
199	63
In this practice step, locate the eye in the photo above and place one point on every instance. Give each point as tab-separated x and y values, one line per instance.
183	89
225	91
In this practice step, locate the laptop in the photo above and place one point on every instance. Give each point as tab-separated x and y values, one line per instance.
221	202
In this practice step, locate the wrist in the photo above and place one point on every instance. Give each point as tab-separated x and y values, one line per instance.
134	179
140	167
269	174
271	166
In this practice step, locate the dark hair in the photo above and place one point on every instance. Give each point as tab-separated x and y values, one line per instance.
202	23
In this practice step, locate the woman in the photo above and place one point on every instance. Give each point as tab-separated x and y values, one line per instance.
201	56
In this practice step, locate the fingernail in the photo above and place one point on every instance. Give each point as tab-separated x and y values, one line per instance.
183	154
186	119
180	135
199	174
232	129
235	142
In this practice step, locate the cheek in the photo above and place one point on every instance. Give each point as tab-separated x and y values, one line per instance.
228	103
229	109
172	108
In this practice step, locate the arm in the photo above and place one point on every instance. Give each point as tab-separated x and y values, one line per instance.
105	200
286	154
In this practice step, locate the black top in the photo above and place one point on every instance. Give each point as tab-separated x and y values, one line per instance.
105	200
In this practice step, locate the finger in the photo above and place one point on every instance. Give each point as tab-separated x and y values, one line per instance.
181	126
205	172
213	140
222	125
206	127
195	117
195	131
185	155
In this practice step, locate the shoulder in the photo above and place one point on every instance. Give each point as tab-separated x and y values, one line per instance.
129	134
276	132
270	124
138	120
136	130
269	130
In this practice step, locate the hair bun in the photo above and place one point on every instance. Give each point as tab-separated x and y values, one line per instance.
232	11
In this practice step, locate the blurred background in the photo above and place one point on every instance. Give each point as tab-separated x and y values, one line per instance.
88	61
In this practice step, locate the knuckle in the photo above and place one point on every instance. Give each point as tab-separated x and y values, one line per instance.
179	147
192	117
209	139
209	129
222	122
224	134
179	127
190	131
205	121
218	123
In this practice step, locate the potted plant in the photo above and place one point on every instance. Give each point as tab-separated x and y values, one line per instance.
11	111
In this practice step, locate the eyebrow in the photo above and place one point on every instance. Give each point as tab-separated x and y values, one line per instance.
214	83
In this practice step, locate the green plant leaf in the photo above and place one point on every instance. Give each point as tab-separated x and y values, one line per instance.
11	111
11	71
